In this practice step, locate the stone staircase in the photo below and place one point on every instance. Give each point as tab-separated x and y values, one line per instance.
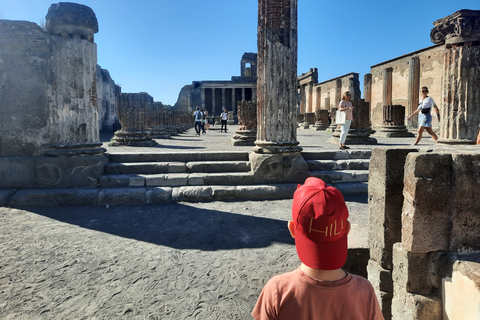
210	176
152	178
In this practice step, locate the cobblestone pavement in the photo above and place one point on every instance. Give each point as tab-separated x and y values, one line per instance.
170	261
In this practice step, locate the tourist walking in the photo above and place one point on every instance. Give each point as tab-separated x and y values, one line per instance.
347	107
198	116
319	288
224	116
207	121
202	126
424	112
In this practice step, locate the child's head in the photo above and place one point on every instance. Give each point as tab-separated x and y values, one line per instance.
320	225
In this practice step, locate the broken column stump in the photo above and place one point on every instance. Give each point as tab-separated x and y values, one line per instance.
394	122
246	134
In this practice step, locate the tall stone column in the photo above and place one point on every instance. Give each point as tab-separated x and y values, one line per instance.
214	105
387	86
224	106
413	90
459	110
367	87
202	98
277	157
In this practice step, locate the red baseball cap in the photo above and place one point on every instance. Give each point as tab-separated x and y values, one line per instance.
320	218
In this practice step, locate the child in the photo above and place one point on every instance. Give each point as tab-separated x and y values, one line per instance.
319	288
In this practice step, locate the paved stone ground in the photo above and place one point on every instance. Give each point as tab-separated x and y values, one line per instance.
170	261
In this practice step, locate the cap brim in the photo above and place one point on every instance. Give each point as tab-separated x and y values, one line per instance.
325	255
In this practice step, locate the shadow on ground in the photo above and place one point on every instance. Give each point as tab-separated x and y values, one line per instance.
176	225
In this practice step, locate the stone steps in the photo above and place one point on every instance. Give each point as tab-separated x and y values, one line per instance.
177	167
150	178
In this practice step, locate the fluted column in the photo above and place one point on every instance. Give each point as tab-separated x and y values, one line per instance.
277	77
413	89
387	86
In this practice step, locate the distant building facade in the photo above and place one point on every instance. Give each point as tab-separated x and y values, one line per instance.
215	96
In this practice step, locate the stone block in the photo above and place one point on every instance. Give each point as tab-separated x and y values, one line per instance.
415	306
166	180
159	195
192	194
73	172
115	181
122	196
385	185
267	168
17	172
357	261
427	202
380	278
295	169
54	197
5	195
410	270
465	233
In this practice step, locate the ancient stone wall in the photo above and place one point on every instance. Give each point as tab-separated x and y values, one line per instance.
424	218
391	80
107	100
48	89
327	94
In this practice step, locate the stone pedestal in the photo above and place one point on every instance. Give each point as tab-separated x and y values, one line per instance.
393	122
361	129
300	118
333	125
309	120
459	110
321	120
132	114
276	147
246	134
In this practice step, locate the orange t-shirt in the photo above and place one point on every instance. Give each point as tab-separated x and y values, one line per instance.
295	295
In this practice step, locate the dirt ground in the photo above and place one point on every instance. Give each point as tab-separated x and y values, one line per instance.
171	261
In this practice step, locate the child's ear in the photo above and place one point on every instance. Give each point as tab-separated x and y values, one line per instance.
291	228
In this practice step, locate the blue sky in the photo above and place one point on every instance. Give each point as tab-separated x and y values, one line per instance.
158	46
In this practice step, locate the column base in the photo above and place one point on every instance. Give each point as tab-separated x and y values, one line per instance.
456	141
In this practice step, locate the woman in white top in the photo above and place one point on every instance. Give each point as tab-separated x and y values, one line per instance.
345	106
424	112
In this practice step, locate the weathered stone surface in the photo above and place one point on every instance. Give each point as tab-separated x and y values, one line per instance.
465	213
121	196
267	168
460	114
48	87
427	202
246	134
410	270
461	290
415	306
380	278
459	27
5	195
54	197
277	76
159	195
385	189
71	19
17	172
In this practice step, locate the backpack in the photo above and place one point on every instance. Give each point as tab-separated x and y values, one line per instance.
198	115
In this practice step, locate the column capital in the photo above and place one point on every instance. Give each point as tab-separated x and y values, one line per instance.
459	27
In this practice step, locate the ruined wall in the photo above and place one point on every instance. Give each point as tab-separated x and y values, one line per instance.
327	94
107	100
430	66
48	89
424	218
